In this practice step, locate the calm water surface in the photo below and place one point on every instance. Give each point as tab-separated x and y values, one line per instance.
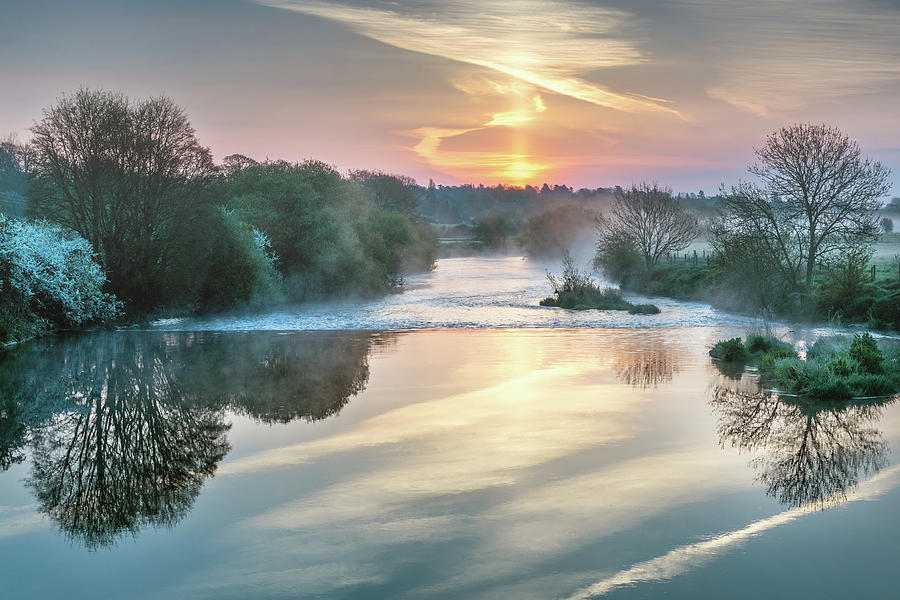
491	463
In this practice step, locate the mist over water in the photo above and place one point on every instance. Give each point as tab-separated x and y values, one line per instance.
467	292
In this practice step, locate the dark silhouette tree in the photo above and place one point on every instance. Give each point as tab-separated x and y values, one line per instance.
816	198
650	219
129	177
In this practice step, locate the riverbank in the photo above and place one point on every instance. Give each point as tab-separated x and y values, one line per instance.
875	304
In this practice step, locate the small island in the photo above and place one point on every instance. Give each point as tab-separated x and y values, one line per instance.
576	290
834	368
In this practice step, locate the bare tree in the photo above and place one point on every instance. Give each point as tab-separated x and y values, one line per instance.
651	219
817	198
124	175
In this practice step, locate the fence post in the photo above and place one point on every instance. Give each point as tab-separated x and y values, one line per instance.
873	272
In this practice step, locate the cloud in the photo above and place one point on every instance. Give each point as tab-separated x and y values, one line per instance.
549	44
776	56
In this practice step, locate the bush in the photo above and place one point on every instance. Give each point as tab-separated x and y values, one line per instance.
619	259
644	309
241	269
493	231
864	350
48	280
834	369
550	234
842	365
732	350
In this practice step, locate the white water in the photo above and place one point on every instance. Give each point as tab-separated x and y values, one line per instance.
464	293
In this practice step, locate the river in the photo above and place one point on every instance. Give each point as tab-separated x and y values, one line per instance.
453	441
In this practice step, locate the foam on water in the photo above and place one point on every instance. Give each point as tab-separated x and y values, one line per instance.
481	293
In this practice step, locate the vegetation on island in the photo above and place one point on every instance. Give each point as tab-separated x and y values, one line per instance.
575	289
834	368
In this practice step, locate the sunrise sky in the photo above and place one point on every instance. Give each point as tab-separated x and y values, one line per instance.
584	93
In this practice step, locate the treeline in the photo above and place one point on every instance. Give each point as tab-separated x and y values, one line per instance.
128	185
542	223
794	241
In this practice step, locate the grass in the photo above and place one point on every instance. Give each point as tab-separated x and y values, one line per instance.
837	368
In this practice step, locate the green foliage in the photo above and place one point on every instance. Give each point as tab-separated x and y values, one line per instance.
732	350
392	193
763	344
329	236
619	258
864	350
240	271
835	368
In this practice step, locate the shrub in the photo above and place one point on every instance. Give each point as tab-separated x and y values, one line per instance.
48	279
864	350
241	269
619	259
732	350
331	237
644	309
867	384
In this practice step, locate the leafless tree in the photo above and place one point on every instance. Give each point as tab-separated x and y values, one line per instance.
651	219
816	198
123	175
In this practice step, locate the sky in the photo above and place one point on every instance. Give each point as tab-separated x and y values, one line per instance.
589	93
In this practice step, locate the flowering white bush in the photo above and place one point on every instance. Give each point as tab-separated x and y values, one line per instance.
49	276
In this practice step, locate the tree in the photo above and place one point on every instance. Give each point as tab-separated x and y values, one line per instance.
552	233
393	193
493	231
816	199
651	219
887	224
128	176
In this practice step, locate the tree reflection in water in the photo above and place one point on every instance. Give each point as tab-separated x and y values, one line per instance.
810	452
645	368
124	428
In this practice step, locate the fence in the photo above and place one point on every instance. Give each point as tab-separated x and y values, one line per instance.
697	258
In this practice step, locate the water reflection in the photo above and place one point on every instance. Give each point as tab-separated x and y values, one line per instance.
808	451
647	367
124	428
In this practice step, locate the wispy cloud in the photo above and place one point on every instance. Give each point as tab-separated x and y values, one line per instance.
549	44
776	56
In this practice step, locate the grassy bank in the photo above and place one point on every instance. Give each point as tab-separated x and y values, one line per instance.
875	303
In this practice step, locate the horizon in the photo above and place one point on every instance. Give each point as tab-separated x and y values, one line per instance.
585	94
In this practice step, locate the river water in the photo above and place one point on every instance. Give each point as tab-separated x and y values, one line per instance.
522	453
465	293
